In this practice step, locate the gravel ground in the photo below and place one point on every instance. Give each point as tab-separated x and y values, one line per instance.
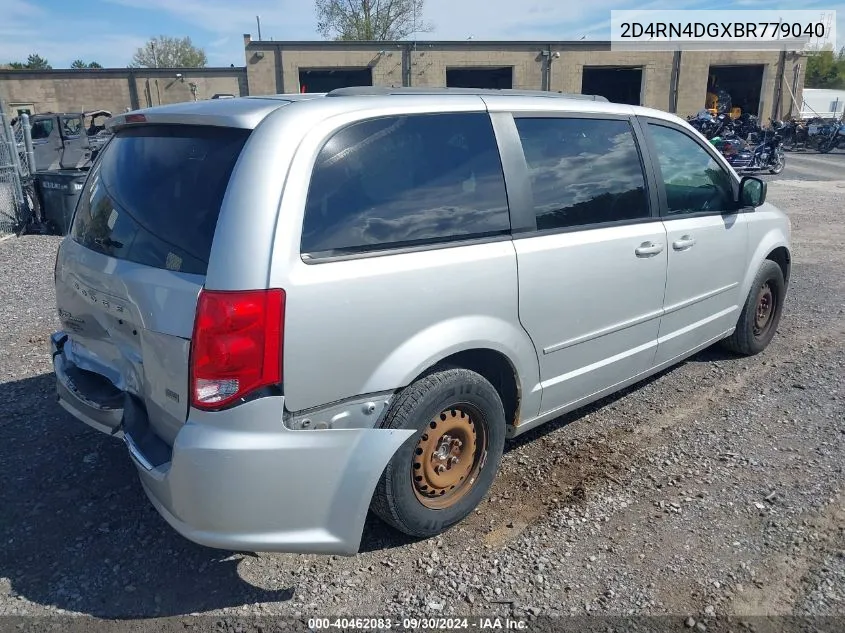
713	489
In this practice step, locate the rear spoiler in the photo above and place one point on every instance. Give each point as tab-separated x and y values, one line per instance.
238	112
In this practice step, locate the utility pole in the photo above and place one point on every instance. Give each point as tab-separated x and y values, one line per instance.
258	22
413	48
155	59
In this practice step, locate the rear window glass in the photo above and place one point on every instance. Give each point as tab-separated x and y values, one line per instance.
404	181
154	195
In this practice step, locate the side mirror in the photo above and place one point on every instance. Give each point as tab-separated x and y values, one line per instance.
752	192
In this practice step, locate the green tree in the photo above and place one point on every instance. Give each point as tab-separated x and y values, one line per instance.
81	64
36	62
169	52
825	70
370	19
33	62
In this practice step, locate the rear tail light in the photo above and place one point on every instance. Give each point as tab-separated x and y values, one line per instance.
236	347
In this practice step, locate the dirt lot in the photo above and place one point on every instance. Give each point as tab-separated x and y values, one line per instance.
715	488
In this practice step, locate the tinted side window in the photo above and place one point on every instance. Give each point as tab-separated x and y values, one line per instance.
583	171
694	181
406	180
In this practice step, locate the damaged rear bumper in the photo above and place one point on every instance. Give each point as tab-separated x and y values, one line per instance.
239	479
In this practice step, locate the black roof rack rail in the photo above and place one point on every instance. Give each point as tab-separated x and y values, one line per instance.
374	91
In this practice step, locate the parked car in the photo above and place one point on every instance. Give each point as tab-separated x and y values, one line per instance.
295	308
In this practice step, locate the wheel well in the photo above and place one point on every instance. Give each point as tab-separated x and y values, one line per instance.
497	369
781	257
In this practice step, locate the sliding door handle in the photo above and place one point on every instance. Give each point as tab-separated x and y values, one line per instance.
685	243
649	249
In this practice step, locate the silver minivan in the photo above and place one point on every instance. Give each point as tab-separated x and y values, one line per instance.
296	308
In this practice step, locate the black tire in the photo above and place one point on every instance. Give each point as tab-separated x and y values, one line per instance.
825	147
780	164
750	338
397	497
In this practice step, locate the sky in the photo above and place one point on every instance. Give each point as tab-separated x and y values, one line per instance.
109	31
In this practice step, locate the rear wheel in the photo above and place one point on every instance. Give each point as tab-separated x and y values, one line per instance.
444	470
761	314
826	146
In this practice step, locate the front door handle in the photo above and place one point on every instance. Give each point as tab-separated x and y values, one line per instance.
648	249
685	243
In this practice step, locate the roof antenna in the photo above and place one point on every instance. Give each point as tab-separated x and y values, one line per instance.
258	21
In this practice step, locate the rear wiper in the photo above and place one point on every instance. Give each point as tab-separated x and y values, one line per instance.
107	242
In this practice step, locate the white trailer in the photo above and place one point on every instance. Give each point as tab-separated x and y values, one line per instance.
823	103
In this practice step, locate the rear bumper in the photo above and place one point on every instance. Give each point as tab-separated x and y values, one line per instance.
239	479
103	416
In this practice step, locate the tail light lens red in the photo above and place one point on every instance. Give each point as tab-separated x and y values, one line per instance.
236	347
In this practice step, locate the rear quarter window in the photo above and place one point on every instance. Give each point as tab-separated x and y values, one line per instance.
154	195
405	181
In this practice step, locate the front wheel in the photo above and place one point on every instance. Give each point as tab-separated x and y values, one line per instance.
444	470
761	313
779	164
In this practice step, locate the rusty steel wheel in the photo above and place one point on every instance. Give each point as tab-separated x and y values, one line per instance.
443	470
448	457
765	310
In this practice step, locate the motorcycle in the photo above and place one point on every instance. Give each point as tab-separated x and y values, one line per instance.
828	136
703	121
746	125
746	158
793	132
724	126
712	126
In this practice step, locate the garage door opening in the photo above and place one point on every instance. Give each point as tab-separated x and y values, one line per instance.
496	78
616	84
743	83
327	80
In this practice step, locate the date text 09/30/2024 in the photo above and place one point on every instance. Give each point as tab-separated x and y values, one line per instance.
418	624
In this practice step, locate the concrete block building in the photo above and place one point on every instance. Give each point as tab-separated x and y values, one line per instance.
114	89
765	83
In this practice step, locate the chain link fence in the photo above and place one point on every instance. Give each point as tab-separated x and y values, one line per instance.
16	190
